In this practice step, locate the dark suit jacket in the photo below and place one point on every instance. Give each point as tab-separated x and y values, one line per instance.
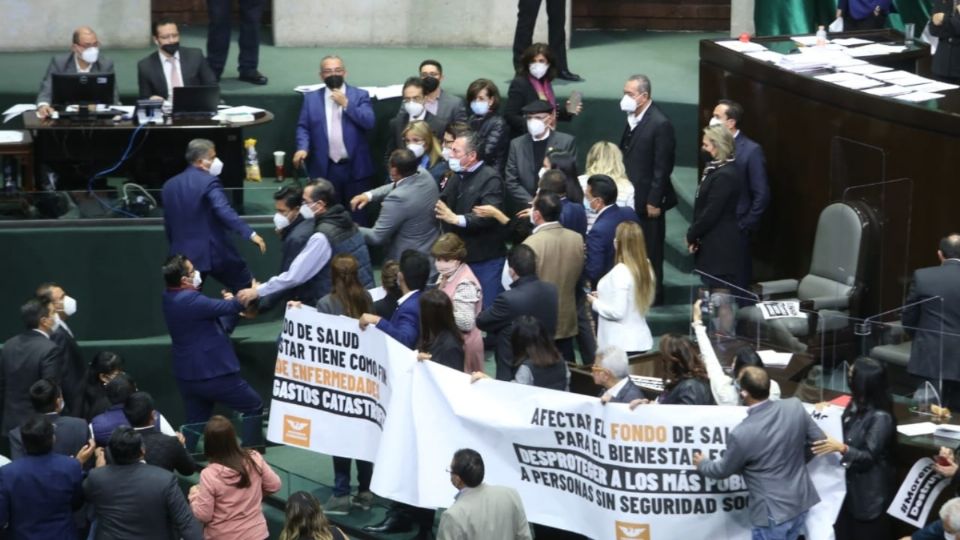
450	109
404	325
527	296
166	452
64	63
628	393
946	61
600	250
466	190
194	71
494	136
38	495
139	501
689	391
201	348
942	281
521	93
715	228
72	434
573	216
74	370
24	360
754	190
521	173
357	120
447	350
871	474
649	152
197	218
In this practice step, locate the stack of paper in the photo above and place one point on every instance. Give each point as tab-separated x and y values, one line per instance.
766	56
949	431
915	430
850	80
916	97
742	46
893	90
17	110
875	49
10	137
773	358
851	42
865	69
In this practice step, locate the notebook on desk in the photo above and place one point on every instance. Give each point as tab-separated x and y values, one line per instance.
195	101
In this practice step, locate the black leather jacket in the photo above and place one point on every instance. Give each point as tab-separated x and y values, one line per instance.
869	435
494	139
690	391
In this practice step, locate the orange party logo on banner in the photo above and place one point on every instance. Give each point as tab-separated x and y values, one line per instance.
632	531
296	430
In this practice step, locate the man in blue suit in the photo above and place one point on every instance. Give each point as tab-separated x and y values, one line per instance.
755	190
332	131
40	491
197	218
601	195
404	325
205	365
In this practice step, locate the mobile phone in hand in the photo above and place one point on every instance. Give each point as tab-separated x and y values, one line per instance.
942	461
576	98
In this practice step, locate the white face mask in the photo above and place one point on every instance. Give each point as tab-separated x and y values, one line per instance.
56	321
69	305
541	172
587	207
455	165
446	268
628	104
197	280
714	121
216	167
417	149
280	221
413	108
480	108
445	153
538	70
306	212
90	55
536	126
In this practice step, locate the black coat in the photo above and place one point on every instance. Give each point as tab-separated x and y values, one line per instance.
166	452
649	153
628	393
715	228
193	69
482	236
869	462
74	368
447	350
946	61
942	281
522	93
690	391
24	360
494	136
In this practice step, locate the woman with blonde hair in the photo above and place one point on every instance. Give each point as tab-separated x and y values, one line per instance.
606	158
419	139
305	520
461	285
624	296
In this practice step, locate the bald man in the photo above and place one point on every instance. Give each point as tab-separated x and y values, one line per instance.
84	57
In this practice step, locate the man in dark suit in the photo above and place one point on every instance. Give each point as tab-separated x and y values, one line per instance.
171	66
770	448
601	195
205	365
164	451
475	184
572	215
934	323
443	108
218	38
197	218
525	158
84	57
25	359
332	133
74	365
527	11
40	491
72	432
131	499
648	145
527	296
412	108
404	325
755	190
611	371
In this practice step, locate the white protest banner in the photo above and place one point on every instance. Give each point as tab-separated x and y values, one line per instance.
917	494
331	388
828	474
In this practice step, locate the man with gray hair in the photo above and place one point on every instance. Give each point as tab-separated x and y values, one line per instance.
84	57
948	526
197	218
611	371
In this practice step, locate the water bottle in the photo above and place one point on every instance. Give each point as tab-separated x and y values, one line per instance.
821	36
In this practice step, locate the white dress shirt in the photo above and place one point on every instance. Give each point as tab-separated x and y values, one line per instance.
633	120
314	256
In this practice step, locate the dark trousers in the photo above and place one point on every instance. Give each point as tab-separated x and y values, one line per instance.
849	528
527	11
489	274
586	339
872	22
347	187
565	346
200	396
341	475
654	233
218	34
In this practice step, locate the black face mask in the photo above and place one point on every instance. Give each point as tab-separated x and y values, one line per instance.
333	81
171	48
705	156
430	84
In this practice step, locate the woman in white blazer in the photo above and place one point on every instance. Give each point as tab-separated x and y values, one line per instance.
625	294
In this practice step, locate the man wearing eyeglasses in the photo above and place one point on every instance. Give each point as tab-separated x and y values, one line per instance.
84	57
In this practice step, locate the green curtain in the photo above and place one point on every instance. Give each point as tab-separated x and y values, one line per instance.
794	17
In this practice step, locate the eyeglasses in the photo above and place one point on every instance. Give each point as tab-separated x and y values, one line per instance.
335	71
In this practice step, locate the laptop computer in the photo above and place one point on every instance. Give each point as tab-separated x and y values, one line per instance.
196	101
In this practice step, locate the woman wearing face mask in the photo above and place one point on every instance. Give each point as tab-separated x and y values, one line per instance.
533	82
440	339
419	139
606	158
104	367
869	441
490	128
714	236
458	282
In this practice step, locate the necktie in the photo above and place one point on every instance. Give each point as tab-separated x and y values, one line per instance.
175	81
338	150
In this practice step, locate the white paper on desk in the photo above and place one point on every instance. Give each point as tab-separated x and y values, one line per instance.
935	86
808	41
852	42
838	77
766	56
304	88
242	109
127	110
774	358
741	46
915	430
865	69
888	91
859	83
875	49
836	26
891	75
912	80
11	136
17	110
384	92
917	97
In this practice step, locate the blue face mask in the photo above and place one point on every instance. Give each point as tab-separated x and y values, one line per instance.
455	165
586	206
480	108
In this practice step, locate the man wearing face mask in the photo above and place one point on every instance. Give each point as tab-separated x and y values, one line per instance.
649	150
197	218
332	133
601	197
171	66
84	57
411	109
442	108
406	218
74	365
475	184
525	158
25	359
205	365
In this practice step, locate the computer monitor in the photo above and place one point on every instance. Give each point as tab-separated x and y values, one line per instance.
82	89
196	100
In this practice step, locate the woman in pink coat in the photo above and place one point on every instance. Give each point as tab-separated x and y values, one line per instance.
463	288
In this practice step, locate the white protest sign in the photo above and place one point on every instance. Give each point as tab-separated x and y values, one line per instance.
917	494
